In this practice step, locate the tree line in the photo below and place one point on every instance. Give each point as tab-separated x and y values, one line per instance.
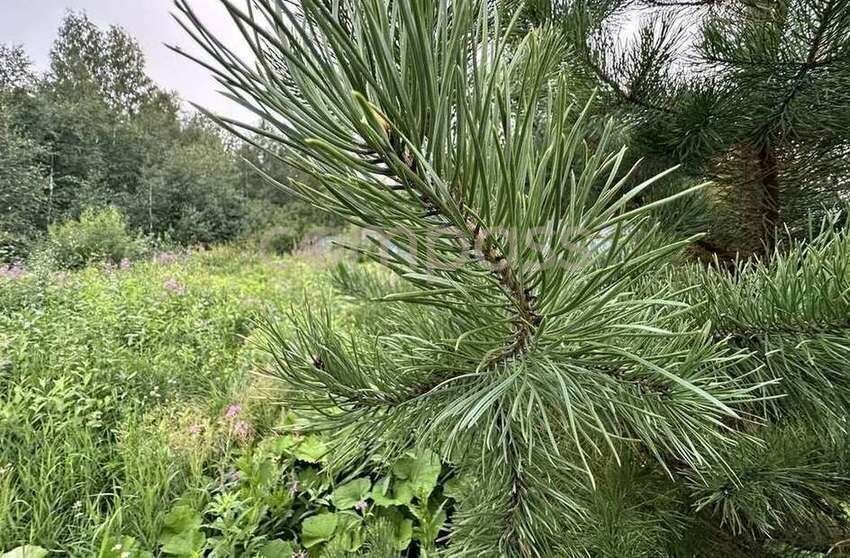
94	130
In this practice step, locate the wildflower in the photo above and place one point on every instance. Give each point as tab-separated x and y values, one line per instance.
233	410
196	429
361	506
125	264
242	430
174	286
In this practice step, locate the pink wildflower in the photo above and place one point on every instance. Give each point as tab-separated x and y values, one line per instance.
233	411
174	286
242	430
125	264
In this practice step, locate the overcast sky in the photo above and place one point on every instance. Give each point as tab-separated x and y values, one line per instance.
33	24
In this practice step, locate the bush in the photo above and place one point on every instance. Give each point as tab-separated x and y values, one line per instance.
13	246
97	236
280	240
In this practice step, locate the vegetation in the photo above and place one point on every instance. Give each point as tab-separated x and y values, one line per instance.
160	438
598	394
95	131
541	349
749	95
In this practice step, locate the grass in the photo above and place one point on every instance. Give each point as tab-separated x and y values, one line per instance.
115	386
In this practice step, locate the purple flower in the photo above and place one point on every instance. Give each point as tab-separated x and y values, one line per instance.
174	286
232	411
125	264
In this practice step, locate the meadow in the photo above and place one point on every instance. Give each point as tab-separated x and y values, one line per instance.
138	421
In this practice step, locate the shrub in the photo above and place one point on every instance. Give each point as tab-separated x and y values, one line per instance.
97	236
280	240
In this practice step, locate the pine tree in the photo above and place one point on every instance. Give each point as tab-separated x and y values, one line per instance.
750	95
595	395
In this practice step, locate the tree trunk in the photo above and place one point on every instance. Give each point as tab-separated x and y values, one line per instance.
769	181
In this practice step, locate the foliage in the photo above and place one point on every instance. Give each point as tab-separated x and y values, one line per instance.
23	190
15	68
97	236
129	373
109	64
541	334
96	131
280	240
750	95
279	497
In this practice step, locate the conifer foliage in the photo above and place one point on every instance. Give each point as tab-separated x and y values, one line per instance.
750	94
594	398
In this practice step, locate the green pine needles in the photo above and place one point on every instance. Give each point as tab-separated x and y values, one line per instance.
593	399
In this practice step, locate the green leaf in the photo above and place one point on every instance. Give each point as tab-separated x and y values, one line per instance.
182	518
429	527
186	543
389	492
318	529
311	480
349	533
350	493
277	549
420	472
311	450
27	551
123	547
280	445
456	487
403	534
181	534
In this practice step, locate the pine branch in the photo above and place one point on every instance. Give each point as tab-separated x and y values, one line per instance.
484	245
810	63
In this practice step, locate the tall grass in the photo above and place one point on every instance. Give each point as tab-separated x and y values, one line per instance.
105	377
